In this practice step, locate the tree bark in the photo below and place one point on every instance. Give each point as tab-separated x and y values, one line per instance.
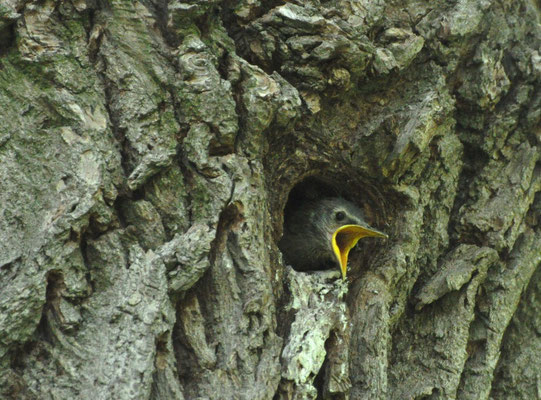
148	150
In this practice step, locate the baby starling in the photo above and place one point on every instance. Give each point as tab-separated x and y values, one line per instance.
320	234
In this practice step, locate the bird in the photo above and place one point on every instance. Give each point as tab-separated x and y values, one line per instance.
319	233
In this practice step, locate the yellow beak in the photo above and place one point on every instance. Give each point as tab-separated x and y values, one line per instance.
345	238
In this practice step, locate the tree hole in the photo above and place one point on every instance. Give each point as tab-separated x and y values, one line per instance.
315	213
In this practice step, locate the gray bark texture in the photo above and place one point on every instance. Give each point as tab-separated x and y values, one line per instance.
148	149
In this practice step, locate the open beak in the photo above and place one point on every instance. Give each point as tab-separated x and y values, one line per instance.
345	238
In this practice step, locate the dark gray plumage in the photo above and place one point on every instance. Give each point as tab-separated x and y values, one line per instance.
308	230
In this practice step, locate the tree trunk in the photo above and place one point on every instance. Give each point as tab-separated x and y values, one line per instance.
148	150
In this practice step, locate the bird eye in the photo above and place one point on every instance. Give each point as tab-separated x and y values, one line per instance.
340	215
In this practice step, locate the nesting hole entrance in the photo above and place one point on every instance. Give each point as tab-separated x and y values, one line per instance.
363	194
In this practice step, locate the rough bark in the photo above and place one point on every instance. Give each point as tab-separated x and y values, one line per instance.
147	152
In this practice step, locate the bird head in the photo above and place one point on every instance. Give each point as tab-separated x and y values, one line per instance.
343	225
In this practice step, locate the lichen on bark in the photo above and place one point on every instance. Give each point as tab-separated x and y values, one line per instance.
148	150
